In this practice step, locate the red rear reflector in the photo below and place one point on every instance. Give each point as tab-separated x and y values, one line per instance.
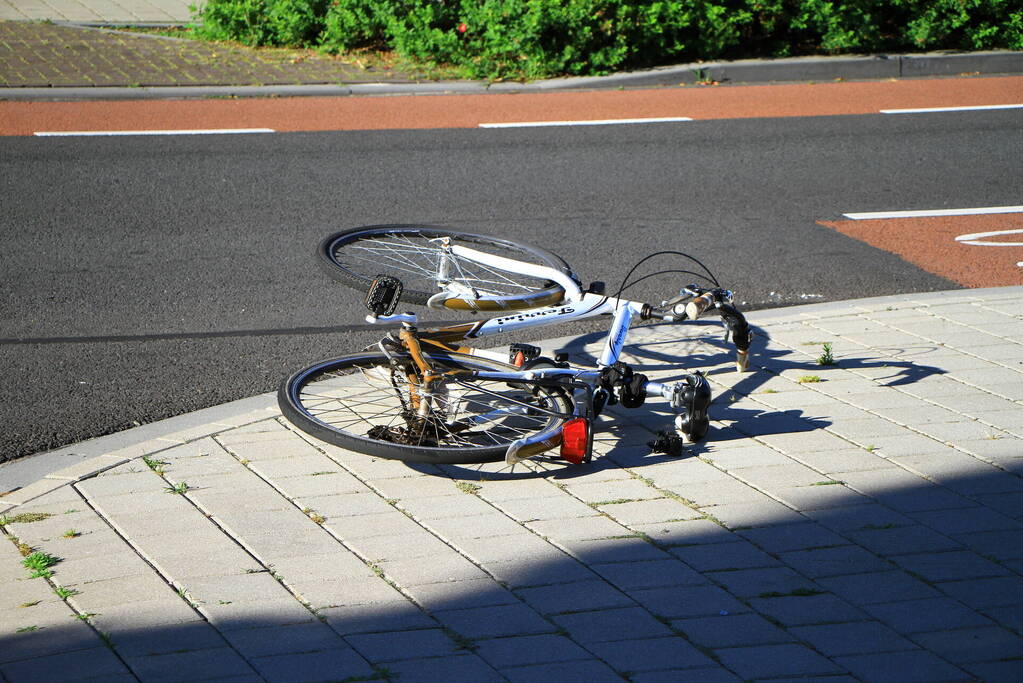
574	437
520	359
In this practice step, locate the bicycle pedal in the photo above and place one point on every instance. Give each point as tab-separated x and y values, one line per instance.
383	295
668	442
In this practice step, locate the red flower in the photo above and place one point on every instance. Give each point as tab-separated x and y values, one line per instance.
462	28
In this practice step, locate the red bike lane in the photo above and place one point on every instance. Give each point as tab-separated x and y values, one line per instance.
470	111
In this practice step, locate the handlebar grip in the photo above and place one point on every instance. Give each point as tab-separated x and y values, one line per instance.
696	307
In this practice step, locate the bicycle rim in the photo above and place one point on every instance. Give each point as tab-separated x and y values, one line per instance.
406	252
361	403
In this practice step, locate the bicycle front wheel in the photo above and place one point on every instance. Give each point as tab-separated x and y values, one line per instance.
412	254
365	403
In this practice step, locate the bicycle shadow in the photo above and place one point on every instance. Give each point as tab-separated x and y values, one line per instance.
622	436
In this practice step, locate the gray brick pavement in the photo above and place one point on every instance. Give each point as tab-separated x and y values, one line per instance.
856	529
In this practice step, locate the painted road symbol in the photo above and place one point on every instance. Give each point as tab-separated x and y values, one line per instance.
954	244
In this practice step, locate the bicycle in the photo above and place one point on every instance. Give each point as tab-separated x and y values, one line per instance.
422	396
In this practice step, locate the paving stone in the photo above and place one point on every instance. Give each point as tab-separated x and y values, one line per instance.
196	635
399	645
713	675
986	593
510	548
599	551
688	601
748	583
807	609
869	516
399	615
650	654
313	666
578	528
910	667
348	504
932	614
649	574
523	573
341	563
905	492
611	624
686	533
258	586
620	490
732	630
120	565
750	515
33	491
950	566
454	506
461	595
93	663
1007	671
723	556
338	592
979	644
836	462
527	650
774	661
778	476
466	668
836	561
447	567
519	488
96	596
878	587
487	525
650	511
721	492
41	644
420	544
754	455
277	640
902	540
997	545
826	494
491	622
863	637
790	537
574	597
549	508
262	614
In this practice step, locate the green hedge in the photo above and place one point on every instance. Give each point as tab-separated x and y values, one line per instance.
542	38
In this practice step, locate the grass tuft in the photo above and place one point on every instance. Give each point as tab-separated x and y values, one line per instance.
24	518
39	563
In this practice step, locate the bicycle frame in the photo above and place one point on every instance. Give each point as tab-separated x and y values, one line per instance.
575	305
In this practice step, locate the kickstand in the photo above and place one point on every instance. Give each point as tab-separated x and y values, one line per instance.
669	442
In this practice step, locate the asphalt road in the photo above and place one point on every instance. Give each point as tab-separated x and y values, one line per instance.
146	277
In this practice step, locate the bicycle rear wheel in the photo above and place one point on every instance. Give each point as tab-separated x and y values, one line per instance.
357	256
363	403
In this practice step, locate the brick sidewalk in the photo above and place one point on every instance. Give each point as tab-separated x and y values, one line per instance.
866	524
50	55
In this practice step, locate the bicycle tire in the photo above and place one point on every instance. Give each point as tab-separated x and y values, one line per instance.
331	412
356	256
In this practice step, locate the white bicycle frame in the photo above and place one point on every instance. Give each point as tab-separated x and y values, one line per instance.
576	305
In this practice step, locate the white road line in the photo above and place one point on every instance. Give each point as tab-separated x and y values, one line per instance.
602	122
210	131
938	109
934	212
